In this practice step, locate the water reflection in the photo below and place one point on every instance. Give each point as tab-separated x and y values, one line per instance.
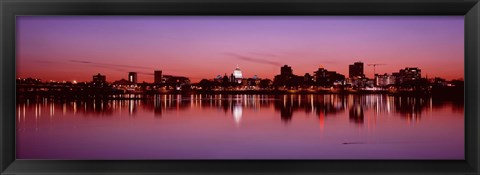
356	114
241	127
237	113
322	106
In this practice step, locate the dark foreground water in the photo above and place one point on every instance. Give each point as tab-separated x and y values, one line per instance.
242	127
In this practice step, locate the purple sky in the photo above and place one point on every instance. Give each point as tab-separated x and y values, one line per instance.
75	48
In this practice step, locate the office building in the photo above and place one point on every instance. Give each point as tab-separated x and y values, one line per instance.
355	70
132	77
157	77
411	73
308	79
99	80
323	77
286	71
287	78
384	80
407	75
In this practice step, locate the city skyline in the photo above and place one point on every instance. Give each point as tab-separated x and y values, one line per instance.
201	47
237	74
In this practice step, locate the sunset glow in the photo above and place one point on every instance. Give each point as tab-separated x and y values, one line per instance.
76	48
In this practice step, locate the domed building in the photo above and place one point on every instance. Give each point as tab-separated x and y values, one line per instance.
237	74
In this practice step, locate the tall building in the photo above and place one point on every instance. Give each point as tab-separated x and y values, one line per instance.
287	78
286	70
132	77
355	70
225	79
99	80
308	79
323	77
232	78
157	76
384	80
411	73
408	74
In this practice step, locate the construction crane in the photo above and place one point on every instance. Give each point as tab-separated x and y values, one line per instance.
374	66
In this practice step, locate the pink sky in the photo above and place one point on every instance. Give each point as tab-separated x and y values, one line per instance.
75	48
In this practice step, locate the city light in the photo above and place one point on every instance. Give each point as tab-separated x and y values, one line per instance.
407	80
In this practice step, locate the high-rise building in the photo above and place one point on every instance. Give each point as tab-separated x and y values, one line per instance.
287	79
99	80
408	74
157	76
355	70
232	78
411	73
132	77
323	77
225	79
308	79
384	80
286	70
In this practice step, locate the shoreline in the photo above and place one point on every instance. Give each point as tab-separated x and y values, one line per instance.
149	94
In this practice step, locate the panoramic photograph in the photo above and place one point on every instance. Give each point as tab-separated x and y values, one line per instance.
240	87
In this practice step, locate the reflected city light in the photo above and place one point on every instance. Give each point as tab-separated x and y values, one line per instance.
322	106
341	114
237	113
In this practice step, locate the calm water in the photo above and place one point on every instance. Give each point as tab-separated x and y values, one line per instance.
242	127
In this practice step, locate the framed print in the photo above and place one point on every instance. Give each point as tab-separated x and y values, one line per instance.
239	87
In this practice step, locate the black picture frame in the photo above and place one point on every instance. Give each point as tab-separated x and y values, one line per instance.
9	9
